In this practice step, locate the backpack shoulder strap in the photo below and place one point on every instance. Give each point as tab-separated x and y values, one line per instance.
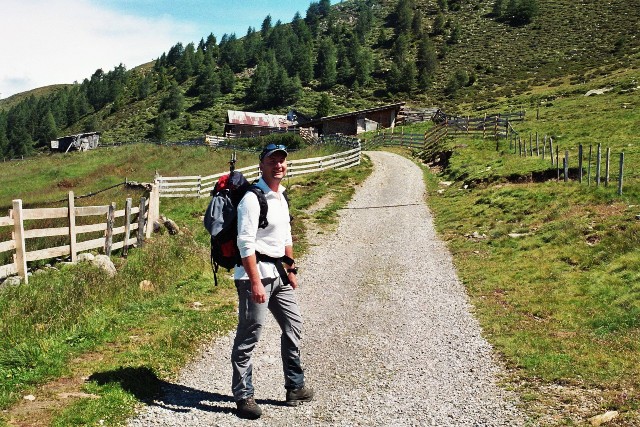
262	201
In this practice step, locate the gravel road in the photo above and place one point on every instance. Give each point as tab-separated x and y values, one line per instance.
389	338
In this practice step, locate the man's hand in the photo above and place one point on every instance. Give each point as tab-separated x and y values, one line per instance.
293	279
258	294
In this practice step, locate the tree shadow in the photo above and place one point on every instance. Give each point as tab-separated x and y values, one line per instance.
144	384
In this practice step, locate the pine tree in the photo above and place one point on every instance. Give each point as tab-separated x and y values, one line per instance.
363	67
161	127
258	90
324	105
49	130
207	85
426	61
303	66
403	14
265	29
326	65
227	79
173	103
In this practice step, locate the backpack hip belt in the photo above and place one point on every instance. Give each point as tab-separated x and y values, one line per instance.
278	263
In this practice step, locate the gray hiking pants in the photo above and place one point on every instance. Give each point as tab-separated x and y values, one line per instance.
251	319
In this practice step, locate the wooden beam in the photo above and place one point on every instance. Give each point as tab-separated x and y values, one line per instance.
19	258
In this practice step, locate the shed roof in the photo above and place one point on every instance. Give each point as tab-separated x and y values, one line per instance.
316	122
258	119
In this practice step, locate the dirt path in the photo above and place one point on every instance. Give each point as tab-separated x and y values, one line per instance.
389	335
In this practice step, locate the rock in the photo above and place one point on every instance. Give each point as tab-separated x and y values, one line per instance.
603	418
105	263
12	281
516	235
196	305
598	91
446	183
29	397
85	256
171	226
147	286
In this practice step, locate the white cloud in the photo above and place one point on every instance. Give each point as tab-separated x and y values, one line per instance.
61	41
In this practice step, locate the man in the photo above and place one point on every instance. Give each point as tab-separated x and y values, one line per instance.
265	281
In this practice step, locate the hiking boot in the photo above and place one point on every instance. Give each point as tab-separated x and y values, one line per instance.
248	408
297	396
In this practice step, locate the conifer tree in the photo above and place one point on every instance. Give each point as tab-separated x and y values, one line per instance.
227	79
161	127
326	65
324	106
173	103
49	130
303	65
363	67
258	90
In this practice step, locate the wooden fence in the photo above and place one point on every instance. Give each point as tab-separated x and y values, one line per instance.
544	149
198	186
23	223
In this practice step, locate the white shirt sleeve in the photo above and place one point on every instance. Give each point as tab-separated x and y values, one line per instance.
248	217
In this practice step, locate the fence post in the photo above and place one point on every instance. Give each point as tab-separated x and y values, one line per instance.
544	147
598	164
580	163
551	149
484	126
558	161
141	218
621	174
589	165
72	228
108	234
566	165
530	145
127	226
154	209
199	185
537	146
606	173
20	257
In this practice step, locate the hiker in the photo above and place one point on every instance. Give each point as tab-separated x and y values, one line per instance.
265	281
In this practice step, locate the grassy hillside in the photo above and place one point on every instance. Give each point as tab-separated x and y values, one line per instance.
564	42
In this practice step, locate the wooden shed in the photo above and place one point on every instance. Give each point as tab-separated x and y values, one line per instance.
80	142
359	121
246	124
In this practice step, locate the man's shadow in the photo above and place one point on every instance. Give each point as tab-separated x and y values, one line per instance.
144	384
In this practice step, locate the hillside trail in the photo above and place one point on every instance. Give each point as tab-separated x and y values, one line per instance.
389	338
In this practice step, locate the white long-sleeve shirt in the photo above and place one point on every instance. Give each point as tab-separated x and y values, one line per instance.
269	241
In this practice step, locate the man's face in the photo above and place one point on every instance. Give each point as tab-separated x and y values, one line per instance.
274	166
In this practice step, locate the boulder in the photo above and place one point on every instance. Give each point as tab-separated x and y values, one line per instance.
171	226
11	281
105	263
147	286
603	418
85	256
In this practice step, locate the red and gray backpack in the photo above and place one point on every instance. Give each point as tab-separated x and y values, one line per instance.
221	219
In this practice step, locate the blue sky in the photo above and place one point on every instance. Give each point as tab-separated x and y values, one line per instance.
46	42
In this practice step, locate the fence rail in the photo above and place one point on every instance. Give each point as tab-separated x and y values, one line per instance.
198	186
24	229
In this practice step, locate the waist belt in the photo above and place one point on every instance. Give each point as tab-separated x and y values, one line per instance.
278	263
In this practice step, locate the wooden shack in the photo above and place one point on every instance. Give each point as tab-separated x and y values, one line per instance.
359	121
79	142
247	124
